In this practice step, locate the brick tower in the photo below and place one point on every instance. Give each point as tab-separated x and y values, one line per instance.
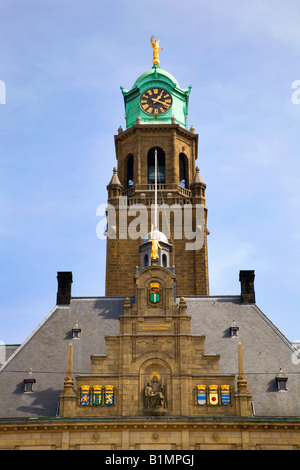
156	117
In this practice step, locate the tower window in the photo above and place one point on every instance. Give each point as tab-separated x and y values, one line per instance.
182	170
161	171
164	260
129	181
146	260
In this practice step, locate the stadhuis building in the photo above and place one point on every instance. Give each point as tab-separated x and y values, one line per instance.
157	363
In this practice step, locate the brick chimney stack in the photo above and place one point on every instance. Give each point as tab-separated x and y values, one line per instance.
247	287
64	280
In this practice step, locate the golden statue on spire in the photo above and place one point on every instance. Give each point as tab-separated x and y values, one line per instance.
155	246
156	49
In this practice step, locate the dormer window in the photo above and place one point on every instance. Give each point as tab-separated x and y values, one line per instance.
234	330
76	331
29	383
281	380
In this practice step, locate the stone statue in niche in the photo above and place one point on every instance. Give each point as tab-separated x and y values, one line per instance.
154	395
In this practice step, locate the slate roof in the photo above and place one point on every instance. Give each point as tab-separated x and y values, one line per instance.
265	350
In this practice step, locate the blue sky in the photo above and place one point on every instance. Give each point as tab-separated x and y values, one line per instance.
63	63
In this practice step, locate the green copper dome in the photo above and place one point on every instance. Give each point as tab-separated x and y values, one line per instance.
155	72
156	98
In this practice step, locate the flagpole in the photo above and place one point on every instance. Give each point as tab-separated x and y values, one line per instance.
155	205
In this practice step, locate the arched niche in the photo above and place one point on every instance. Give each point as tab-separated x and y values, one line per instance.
155	386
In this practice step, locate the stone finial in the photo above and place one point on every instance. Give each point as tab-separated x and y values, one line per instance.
197	177
115	179
68	383
198	187
241	381
182	306
127	302
173	120
67	399
192	129
243	396
127	306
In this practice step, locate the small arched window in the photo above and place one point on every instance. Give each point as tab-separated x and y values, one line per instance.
182	170
161	171
129	178
146	260
164	260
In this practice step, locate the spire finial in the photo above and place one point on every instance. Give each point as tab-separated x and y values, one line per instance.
70	362
241	381
69	384
241	362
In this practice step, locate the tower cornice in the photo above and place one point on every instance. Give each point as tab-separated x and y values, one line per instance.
156	128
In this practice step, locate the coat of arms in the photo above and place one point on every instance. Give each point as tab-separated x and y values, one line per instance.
225	394
85	395
201	394
154	295
97	395
213	395
109	395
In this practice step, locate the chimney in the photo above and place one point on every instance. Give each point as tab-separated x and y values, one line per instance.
64	280
247	287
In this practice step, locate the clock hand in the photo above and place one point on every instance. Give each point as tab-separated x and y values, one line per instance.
156	100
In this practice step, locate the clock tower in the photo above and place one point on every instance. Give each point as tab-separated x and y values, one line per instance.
156	110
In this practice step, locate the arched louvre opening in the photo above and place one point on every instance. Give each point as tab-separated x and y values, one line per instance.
161	170
183	170
129	179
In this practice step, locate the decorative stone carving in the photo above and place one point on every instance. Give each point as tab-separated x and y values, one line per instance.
155	396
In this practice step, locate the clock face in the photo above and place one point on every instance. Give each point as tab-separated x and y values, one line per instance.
156	101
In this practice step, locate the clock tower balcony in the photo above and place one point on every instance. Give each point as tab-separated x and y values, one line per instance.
144	193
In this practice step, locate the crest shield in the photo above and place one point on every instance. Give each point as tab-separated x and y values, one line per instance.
85	395
109	395
213	395
97	395
225	394
154	295
201	394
